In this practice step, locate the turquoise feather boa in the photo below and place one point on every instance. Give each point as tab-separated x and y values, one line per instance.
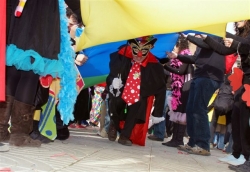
68	93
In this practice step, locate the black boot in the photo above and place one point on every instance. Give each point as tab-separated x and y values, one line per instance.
112	133
171	143
61	129
63	133
169	126
124	141
5	112
178	134
36	135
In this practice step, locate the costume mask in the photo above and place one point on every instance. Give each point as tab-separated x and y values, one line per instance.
141	46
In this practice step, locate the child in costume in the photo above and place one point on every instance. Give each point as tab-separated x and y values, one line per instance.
181	74
135	75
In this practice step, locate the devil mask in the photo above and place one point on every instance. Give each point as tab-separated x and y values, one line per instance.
141	46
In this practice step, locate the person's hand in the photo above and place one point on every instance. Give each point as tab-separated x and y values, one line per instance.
172	55
198	36
185	35
203	36
73	31
182	34
228	42
81	59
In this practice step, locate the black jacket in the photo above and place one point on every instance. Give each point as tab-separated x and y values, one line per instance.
152	83
209	64
222	49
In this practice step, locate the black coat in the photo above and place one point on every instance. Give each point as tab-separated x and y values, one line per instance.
152	83
222	49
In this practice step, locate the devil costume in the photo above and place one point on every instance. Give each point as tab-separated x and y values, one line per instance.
152	83
37	45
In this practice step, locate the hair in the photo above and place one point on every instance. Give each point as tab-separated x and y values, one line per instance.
69	12
74	17
244	31
182	44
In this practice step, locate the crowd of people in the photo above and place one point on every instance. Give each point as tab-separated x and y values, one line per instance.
180	96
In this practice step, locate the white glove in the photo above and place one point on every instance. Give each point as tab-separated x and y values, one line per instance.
117	82
156	120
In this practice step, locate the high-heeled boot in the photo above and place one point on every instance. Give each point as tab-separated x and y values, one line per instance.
21	125
178	134
174	136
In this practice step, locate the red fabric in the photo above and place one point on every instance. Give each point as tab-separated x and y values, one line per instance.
149	59
246	94
229	61
236	79
139	132
2	48
131	92
102	84
45	81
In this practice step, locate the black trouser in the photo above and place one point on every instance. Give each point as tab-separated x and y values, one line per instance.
213	123
240	126
130	121
117	113
82	106
116	110
22	84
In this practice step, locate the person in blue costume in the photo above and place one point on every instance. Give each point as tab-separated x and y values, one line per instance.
36	46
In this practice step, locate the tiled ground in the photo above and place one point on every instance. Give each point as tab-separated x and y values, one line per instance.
87	152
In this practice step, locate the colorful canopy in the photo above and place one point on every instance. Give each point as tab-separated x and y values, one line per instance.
115	20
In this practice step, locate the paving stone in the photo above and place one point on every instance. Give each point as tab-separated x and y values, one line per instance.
86	151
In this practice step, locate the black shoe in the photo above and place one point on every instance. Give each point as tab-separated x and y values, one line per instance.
241	168
153	137
44	139
63	134
173	143
169	142
36	135
124	141
112	133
